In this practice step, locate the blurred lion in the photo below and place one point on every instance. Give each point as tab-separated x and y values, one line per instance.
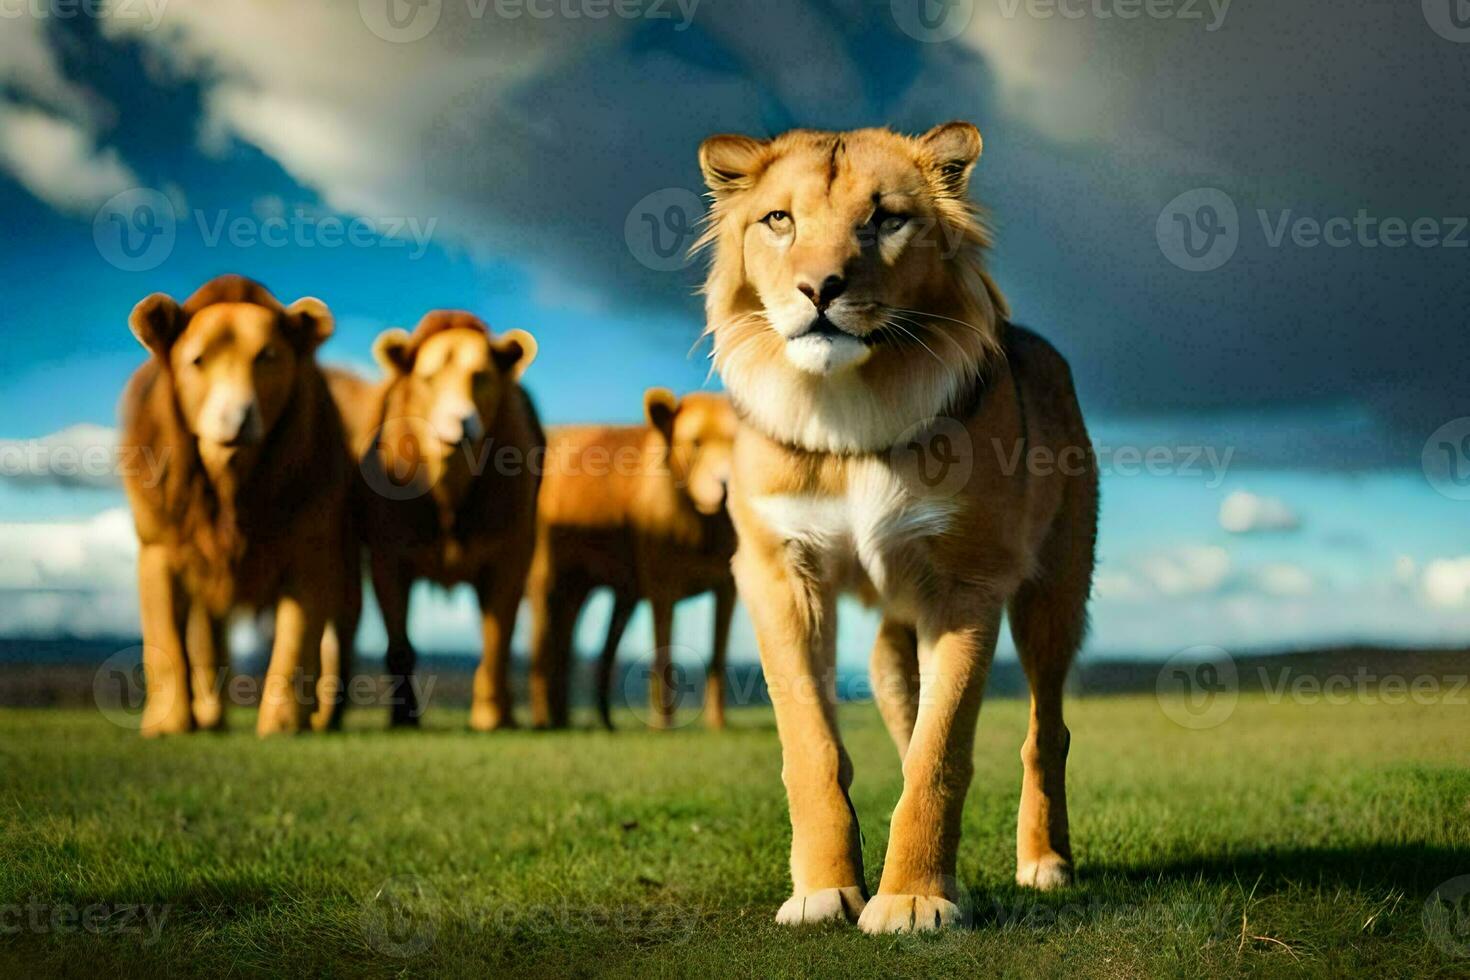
449	446
251	509
639	510
870	358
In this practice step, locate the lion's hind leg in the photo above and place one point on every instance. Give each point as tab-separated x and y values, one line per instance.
894	672
1048	618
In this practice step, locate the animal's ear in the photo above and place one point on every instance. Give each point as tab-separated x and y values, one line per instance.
661	406
730	162
157	322
309	322
513	352
393	350
951	151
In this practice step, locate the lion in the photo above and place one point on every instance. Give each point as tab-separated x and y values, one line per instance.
639	510
448	444
888	409
250	509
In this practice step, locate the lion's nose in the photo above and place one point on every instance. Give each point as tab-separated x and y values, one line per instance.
832	287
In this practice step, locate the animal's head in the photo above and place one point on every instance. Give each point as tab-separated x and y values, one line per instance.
450	376
234	354
844	260
699	430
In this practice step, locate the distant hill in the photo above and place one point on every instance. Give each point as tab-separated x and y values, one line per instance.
65	673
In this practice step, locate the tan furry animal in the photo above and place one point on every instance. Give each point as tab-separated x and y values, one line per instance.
252	506
639	510
449	446
889	419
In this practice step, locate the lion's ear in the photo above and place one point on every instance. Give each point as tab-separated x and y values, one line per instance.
729	162
661	406
309	322
157	322
513	352
393	350
951	152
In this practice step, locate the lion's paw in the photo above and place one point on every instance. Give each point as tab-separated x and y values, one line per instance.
1046	874
909	913
827	905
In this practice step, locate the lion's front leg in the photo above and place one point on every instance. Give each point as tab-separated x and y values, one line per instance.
795	628
289	694
208	664
919	890
166	709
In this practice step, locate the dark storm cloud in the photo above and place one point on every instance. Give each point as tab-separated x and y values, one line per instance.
539	140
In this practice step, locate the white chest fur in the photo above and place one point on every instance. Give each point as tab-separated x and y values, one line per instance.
878	526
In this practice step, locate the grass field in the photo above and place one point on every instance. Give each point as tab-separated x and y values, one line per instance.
1293	839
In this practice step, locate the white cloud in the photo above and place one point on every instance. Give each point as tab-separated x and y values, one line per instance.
69	577
1283	579
1186	571
79	455
48	140
1446	582
1247	513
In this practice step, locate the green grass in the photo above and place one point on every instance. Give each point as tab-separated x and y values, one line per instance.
1292	839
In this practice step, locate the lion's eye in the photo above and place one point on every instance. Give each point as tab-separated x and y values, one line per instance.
892	223
776	219
198	362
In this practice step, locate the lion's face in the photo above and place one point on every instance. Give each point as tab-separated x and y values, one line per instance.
450	379
846	276
700	432
234	365
842	237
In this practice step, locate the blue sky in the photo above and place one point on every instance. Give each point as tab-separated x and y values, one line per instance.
502	165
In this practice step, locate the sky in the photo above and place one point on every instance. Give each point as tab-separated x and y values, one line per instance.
1243	223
